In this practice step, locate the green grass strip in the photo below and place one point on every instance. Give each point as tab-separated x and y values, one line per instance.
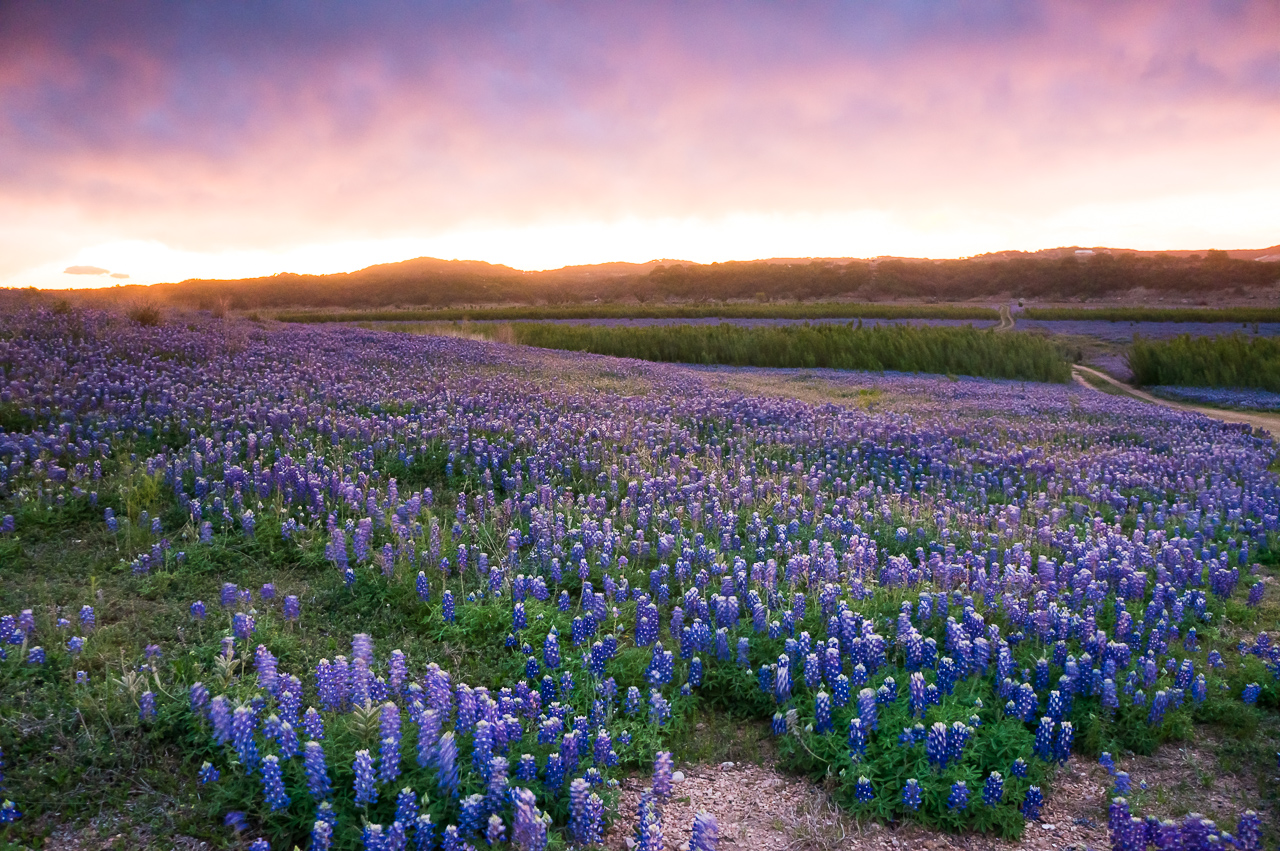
1230	361
901	348
794	310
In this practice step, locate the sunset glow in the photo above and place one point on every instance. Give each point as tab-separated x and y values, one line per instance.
168	141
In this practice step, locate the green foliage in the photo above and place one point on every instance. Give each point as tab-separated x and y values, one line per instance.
790	310
1232	361
438	283
960	351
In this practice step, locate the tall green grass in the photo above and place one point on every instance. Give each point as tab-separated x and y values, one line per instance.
1232	361
1157	314
786	310
903	348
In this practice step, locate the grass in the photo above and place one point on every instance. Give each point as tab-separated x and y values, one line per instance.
1243	315
1101	384
784	310
950	351
1232	361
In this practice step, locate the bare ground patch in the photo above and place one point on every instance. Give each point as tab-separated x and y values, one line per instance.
760	808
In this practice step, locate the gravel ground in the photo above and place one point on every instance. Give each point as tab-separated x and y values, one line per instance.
761	809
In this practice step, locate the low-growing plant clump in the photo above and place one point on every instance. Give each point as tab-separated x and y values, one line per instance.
337	588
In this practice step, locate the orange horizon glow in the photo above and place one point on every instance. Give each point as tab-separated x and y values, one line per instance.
166	142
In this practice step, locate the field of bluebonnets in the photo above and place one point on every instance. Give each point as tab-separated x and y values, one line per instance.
334	588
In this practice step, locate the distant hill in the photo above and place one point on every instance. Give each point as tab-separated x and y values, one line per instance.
1058	273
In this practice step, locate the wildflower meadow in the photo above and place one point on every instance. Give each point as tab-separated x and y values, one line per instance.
313	586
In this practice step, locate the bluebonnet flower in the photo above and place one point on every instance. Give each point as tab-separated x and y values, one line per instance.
529	831
1251	692
447	764
446	606
867	709
662	774
242	737
553	776
917	694
313	724
1062	742
935	745
35	656
864	791
366	789
706	833
957	737
389	758
1019	767
649	826
495	831
659	708
857	739
993	789
1159	703
1122	786
779	724
317	773
1249	832
321	836
782	679
1199	689
822	713
243	625
551	651
764	678
472	815
87	619
199	697
273	783
958	799
208	773
424	832
840	691
1031	804
911	794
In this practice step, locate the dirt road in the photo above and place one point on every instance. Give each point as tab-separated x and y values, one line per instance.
1268	422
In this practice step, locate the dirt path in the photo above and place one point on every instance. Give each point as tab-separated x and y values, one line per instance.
1267	422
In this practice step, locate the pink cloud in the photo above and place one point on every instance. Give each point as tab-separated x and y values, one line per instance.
208	128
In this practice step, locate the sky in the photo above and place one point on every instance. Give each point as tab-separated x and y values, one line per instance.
170	140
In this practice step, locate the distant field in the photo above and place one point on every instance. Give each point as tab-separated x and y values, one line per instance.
1233	361
812	310
954	351
1156	314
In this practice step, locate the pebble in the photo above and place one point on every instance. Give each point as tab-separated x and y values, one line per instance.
1048	826
725	766
631	843
677	777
